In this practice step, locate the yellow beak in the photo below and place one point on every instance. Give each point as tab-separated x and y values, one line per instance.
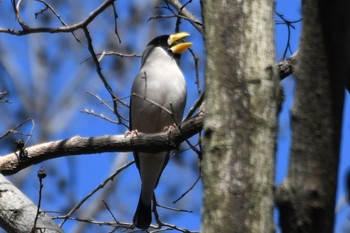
175	43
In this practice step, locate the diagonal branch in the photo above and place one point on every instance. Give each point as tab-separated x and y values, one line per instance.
101	76
188	15
11	163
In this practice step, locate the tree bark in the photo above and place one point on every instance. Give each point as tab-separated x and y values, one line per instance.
13	162
18	213
242	99
306	199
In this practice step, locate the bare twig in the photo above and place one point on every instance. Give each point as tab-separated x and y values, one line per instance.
174	209
171	113
48	6
188	190
18	15
2	94
115	22
66	29
179	127
289	25
109	211
189	16
174	227
100	223
104	102
154	103
160	223
101	76
196	59
100	115
174	15
100	186
114	53
41	176
178	21
195	106
14	130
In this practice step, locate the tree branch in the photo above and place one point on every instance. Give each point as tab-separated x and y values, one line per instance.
285	67
102	78
12	163
188	15
29	30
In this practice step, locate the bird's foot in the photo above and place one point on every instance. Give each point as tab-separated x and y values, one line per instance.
132	133
169	128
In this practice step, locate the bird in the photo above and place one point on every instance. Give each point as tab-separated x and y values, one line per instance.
157	102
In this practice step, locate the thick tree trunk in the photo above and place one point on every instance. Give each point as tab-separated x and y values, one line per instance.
306	199
242	98
18	213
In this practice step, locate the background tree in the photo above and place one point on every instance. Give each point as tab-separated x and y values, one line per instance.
307	197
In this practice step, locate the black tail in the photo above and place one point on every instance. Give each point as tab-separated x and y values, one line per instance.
143	215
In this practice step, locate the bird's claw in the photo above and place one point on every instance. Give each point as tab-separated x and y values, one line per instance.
169	128
132	133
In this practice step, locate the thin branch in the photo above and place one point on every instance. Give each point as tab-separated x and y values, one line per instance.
66	29
160	223
48	6
14	130
154	103
103	102
101	76
100	223
174	15
41	176
289	25
174	209
174	227
100	186
195	106
188	190
196	60
109	210
100	115
178	21
119	54
115	22
189	16
18	15
3	94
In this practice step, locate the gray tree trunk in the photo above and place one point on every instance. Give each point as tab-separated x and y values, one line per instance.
306	199
18	212
242	98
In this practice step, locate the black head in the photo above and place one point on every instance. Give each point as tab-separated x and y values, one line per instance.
160	41
173	44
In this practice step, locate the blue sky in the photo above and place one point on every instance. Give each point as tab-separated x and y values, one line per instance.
85	172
